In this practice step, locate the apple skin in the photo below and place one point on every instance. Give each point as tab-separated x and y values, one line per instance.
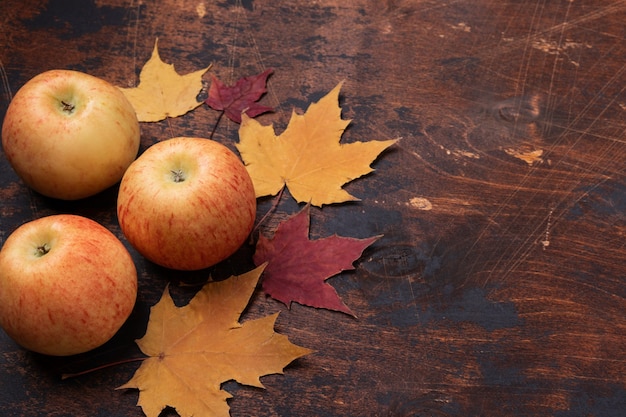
71	299
70	135
190	224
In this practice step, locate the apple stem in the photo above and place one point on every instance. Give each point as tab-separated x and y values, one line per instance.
98	368
178	175
67	107
42	249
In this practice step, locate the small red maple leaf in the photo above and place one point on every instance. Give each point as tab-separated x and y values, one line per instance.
243	96
298	267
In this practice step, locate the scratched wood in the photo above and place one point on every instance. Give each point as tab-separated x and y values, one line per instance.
498	287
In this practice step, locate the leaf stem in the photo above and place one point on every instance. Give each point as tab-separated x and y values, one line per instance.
217	122
98	368
270	211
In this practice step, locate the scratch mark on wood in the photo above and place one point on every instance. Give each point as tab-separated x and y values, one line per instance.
201	10
6	88
420	203
546	239
462	26
529	156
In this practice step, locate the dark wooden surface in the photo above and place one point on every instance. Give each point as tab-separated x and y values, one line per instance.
499	286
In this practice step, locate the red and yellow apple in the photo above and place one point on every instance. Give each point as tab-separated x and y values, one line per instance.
186	203
70	135
67	284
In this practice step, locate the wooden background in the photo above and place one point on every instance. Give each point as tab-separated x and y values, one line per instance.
499	286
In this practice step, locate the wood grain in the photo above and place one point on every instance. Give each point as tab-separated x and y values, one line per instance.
498	288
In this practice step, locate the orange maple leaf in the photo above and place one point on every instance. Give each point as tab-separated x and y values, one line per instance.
162	92
194	349
307	157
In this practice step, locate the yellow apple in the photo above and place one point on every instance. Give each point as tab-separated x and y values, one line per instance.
186	203
67	284
70	135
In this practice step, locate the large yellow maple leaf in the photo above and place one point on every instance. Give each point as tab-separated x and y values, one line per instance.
194	349
307	157
162	92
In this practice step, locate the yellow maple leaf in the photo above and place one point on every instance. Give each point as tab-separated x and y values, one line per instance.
195	348
307	157
162	92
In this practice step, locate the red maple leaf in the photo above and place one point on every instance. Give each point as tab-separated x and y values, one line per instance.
298	267
243	96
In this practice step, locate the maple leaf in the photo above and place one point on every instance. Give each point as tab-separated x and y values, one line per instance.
162	92
307	157
297	267
194	349
243	96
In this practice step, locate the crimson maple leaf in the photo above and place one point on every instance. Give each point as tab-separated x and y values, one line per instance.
243	96
298	267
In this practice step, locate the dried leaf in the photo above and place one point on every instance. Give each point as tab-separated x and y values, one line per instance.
307	157
242	96
194	349
297	267
162	92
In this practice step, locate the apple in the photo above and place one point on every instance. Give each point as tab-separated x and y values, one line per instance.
70	135
67	284
186	203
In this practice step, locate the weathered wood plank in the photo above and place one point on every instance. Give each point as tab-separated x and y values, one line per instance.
498	288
